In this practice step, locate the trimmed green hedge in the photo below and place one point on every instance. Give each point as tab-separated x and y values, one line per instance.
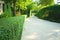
11	28
51	13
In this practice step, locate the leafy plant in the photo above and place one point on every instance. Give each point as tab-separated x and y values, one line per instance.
46	2
11	28
7	12
51	13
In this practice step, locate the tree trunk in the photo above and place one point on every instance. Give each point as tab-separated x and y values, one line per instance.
14	8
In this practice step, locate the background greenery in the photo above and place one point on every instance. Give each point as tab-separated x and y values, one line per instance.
51	13
30	8
25	7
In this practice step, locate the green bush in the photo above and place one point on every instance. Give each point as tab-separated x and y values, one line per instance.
2	15
51	13
11	28
7	12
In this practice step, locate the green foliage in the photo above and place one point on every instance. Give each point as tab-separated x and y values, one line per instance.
11	28
22	6
23	3
7	12
8	1
26	6
31	7
46	2
51	13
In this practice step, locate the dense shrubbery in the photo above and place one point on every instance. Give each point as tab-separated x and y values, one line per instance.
7	12
51	13
11	28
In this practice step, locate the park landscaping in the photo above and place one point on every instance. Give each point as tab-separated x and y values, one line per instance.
13	16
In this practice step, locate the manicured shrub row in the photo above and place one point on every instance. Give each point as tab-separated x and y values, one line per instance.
11	28
51	13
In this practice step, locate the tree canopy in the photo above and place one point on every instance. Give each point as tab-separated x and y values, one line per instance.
46	2
28	5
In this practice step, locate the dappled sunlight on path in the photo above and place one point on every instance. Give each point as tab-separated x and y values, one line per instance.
38	29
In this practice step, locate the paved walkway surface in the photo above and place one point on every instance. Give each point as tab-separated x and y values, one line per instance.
38	29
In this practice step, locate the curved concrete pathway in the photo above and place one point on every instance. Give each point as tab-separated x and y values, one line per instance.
38	29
